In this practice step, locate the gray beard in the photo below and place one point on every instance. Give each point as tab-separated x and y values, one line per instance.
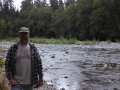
24	40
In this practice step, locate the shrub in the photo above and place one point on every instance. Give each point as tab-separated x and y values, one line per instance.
0	47
87	42
3	81
72	41
1	62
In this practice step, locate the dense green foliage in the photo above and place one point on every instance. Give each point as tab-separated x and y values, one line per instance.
83	19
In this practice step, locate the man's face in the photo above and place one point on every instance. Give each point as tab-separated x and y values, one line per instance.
24	36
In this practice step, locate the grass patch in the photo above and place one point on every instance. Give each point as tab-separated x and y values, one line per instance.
0	47
60	40
109	41
72	41
117	40
87	42
10	39
78	43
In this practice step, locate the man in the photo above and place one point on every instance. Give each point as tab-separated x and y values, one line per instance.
23	64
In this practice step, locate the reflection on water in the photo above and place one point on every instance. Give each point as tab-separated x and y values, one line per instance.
68	84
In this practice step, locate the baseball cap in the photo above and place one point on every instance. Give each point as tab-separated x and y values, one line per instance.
24	29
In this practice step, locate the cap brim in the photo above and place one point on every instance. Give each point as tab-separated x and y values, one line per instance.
24	31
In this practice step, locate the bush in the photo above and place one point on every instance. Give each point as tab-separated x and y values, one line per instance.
3	81
72	41
0	47
1	62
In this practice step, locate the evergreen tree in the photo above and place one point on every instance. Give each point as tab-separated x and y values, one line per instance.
69	2
116	13
0	8
54	4
61	4
8	12
0	5
101	21
37	3
84	9
26	5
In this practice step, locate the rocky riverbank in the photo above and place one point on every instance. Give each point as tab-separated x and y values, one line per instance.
79	67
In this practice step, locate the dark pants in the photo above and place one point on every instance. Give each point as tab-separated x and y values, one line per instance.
22	87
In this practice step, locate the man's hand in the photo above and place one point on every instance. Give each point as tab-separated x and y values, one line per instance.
40	83
13	82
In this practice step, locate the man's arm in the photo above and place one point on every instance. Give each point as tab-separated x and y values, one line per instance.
8	65
40	72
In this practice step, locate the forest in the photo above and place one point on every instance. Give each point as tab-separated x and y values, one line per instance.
80	19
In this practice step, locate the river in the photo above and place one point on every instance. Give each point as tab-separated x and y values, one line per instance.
79	67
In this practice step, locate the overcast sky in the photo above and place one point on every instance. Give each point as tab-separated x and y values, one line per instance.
17	3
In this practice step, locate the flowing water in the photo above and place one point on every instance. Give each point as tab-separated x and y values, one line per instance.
80	67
